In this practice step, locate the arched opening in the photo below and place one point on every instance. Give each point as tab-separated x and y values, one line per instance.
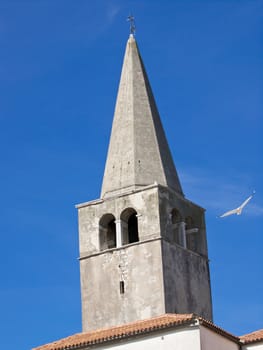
130	233
191	234
176	220
133	228
107	232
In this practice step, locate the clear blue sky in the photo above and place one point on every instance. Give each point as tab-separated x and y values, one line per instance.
60	65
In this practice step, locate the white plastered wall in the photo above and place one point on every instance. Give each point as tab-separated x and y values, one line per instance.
180	339
212	340
255	346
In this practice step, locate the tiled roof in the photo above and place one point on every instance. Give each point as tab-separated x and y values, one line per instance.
123	331
252	337
132	329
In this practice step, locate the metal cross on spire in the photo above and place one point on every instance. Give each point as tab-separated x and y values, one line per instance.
132	24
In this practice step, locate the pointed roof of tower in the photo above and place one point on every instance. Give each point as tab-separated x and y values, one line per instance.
138	153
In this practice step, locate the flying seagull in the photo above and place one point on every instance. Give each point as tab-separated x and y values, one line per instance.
239	209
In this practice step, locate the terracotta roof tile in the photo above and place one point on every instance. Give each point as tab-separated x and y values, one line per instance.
102	335
252	337
139	327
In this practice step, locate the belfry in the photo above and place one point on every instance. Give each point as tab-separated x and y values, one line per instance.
143	249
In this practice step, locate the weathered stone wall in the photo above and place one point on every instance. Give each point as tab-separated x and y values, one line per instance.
186	281
145	202
185	267
169	200
159	275
138	265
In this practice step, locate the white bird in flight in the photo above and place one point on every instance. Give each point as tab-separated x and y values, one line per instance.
239	209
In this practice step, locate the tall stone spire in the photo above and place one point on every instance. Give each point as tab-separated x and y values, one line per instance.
138	153
143	249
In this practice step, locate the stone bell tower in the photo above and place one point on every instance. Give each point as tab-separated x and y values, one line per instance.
143	249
